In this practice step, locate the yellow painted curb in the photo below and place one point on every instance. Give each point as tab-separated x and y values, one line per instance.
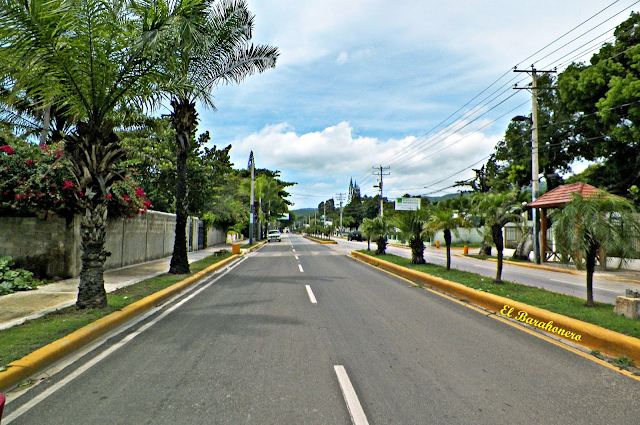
593	337
31	364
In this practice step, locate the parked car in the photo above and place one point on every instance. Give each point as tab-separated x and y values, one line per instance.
274	235
355	236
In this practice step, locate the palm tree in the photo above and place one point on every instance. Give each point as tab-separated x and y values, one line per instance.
92	59
584	227
447	220
377	228
413	227
212	48
498	209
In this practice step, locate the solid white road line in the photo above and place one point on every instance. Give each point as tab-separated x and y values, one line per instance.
350	397
564	281
300	267
311	296
27	406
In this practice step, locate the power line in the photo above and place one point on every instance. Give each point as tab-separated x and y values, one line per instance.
408	150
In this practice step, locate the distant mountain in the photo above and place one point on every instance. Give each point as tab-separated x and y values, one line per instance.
304	212
434	199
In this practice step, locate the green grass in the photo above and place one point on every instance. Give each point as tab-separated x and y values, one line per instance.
18	341
600	315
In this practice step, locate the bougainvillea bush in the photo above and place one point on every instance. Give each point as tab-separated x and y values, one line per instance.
35	180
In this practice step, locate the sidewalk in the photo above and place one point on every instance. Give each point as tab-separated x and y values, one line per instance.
620	275
21	306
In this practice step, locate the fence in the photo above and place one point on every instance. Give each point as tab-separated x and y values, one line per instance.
51	248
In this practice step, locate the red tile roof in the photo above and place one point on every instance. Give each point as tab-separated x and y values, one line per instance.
564	194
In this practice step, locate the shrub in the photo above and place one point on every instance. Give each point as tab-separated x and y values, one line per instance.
12	280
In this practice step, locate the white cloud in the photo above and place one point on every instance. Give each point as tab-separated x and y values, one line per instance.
323	162
358	81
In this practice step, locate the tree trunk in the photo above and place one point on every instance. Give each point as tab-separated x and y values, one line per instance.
382	245
485	249
447	242
93	231
184	120
592	255
417	250
496	233
524	248
180	259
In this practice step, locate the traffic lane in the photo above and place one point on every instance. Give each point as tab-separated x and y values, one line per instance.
416	357
245	350
604	291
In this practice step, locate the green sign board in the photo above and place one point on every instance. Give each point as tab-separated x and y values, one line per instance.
407	204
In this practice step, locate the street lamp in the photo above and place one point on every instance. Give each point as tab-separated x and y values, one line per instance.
535	183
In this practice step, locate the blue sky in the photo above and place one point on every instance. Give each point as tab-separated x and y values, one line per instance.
378	82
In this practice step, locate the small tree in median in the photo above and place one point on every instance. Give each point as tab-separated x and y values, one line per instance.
447	220
498	209
377	228
413	227
584	227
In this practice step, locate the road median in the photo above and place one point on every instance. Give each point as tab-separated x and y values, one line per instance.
322	241
590	336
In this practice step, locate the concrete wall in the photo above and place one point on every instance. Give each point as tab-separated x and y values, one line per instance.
215	237
143	238
462	236
52	247
41	245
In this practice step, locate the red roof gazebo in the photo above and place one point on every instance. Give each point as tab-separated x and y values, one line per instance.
556	198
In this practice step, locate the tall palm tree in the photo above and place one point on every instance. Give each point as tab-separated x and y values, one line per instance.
413	227
213	47
584	227
91	59
498	209
447	220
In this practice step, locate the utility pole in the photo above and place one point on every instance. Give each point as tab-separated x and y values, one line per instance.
340	198
381	173
535	179
252	206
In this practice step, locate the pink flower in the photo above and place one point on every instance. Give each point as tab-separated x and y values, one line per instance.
29	161
68	184
109	196
7	149
140	192
126	198
147	203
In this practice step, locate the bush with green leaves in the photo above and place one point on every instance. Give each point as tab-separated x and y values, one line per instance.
12	280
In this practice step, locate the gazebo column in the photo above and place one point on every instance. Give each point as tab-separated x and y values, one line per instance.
543	234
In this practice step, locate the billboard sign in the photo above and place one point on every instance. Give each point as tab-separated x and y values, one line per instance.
407	204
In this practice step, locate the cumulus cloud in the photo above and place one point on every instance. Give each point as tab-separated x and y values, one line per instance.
323	162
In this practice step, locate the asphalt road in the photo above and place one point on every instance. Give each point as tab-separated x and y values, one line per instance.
252	347
604	290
